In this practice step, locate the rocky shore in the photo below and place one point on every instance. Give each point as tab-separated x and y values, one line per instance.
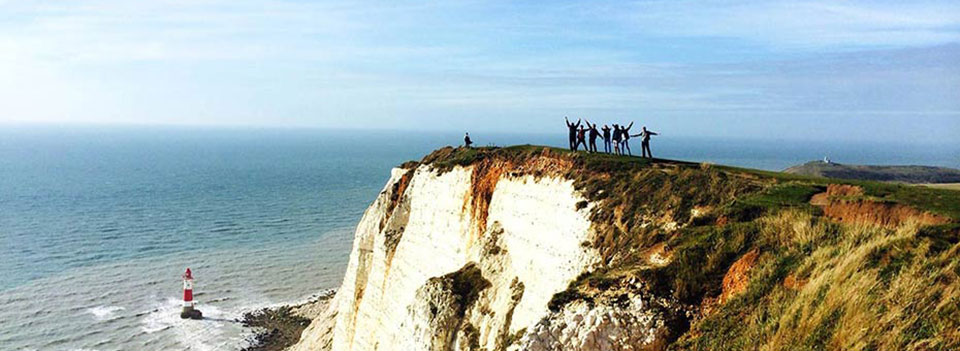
280	327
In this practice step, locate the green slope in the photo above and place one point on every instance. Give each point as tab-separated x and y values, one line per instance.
904	174
816	284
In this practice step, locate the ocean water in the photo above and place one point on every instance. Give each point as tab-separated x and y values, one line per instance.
98	223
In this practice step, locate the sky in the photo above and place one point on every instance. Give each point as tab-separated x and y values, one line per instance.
857	70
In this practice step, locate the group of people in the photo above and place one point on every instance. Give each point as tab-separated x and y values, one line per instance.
619	140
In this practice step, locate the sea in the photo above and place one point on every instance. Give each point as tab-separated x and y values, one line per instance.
98	223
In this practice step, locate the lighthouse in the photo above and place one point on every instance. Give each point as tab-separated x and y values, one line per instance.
188	309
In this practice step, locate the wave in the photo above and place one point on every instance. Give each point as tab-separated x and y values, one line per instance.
104	312
213	332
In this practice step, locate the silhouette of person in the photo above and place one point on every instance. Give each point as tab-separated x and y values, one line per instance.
617	136
606	139
466	140
645	142
581	139
626	138
573	132
594	133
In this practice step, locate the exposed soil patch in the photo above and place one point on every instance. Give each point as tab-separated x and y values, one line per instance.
396	194
845	203
489	167
792	282
844	190
722	221
483	181
734	282
738	276
879	213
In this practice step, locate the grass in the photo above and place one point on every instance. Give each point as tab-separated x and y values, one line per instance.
867	287
940	200
787	195
947	186
702	257
853	286
903	174
943	201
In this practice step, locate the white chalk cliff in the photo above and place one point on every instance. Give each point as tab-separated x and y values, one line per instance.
455	261
533	248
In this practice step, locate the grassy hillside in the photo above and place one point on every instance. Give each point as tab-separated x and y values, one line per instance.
948	186
760	260
904	174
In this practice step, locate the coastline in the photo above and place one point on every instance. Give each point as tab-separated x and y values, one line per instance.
278	327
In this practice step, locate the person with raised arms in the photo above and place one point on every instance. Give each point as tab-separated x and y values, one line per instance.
573	133
594	133
606	139
645	142
626	139
617	137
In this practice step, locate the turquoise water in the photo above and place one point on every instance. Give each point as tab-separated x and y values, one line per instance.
97	224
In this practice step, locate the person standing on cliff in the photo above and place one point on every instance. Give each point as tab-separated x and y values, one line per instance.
581	139
466	140
626	139
606	138
594	133
617	136
645	143
573	132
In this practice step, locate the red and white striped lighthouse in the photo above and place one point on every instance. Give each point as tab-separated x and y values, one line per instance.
187	290
188	308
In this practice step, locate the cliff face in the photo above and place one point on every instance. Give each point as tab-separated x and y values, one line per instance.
529	248
429	275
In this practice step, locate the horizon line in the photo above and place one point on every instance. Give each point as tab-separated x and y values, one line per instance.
561	131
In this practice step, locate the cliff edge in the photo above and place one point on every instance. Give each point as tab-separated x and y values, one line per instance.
535	248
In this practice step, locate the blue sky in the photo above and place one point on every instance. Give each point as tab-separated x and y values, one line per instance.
788	69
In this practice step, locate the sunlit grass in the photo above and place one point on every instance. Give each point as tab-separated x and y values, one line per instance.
851	286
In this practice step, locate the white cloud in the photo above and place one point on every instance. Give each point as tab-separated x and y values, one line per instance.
803	24
257	61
